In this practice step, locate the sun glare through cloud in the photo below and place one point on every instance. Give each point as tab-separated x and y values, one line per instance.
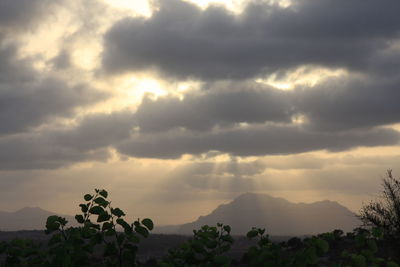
137	7
180	108
304	76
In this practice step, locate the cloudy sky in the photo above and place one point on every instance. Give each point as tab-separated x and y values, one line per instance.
177	106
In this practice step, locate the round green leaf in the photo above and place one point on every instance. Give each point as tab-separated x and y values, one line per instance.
101	201
96	210
107	226
251	234
227	228
117	212
103	193
103	217
84	208
148	223
79	218
142	231
87	197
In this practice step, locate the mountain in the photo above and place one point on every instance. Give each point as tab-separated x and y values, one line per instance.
28	219
278	216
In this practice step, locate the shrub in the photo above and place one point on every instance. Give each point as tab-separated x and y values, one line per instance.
97	242
21	252
267	253
385	212
207	248
75	246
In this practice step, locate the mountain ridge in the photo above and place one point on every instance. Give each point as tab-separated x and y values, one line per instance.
278	216
28	218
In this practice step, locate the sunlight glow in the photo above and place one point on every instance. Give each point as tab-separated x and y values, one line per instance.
139	87
205	3
137	7
303	76
299	119
236	6
45	40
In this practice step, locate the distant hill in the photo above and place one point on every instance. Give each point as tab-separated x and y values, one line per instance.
28	219
279	216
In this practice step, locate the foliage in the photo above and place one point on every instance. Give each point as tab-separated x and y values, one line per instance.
99	220
385	213
356	249
364	249
208	247
96	242
21	252
266	253
105	238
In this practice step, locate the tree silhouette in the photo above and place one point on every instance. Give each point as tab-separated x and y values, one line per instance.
385	212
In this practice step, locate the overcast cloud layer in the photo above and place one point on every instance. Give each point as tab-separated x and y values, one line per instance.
183	41
80	106
231	113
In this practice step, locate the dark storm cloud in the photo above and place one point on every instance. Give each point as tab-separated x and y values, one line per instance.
183	41
38	151
223	104
252	141
353	103
55	148
90	138
96	131
237	117
27	105
13	69
62	60
337	104
28	98
23	13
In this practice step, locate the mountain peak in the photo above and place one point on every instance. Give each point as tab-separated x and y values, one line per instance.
24	209
27	218
278	216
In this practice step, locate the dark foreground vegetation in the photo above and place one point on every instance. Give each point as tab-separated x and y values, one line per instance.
105	238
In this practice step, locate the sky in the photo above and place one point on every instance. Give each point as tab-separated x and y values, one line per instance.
177	106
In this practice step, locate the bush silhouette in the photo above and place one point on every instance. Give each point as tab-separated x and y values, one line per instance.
385	212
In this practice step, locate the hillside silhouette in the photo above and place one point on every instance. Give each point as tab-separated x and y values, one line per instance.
28	218
278	216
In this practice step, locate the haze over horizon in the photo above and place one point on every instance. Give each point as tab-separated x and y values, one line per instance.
279	216
175	107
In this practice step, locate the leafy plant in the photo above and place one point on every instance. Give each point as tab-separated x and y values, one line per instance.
76	246
269	254
105	238
96	242
21	252
385	212
364	250
207	248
